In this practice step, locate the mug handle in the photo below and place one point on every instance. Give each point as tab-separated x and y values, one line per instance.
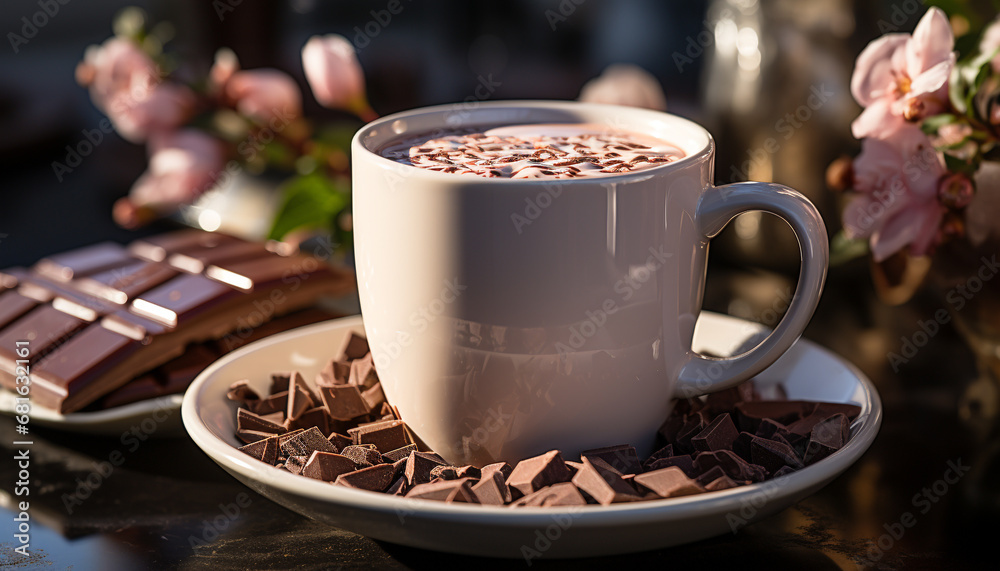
716	208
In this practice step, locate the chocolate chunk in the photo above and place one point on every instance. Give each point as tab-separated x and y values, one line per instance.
694	425
121	284
295	464
13	305
374	399
445	491
306	442
670	429
684	462
741	446
417	469
341	441
735	467
444	473
274	403
714	473
334	373
559	494
374	478
622	457
363	456
246	420
827	437
250	436
665	452
751	414
727	399
399	453
398	488
344	402
265	450
327	466
492	490
719	435
313	417
535	473
468	472
300	397
720	483
668	483
602	483
279	382
502	467
386	435
241	393
363	372
275	417
804	426
355	347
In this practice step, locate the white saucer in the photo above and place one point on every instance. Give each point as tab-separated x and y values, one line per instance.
109	422
807	371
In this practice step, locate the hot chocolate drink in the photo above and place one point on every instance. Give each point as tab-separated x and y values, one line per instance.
561	151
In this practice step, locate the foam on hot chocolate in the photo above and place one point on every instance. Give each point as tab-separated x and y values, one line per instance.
567	150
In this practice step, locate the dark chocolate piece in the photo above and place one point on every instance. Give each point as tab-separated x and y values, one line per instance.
751	414
735	467
741	446
316	416
720	483
374	399
299	400
668	483
532	474
445	491
344	402
418	466
665	452
157	248
265	450
241	393
273	403
196	261
250	436
121	284
621	457
279	382
827	437
363	372
341	441
719	435
306	442
363	456
334	373
682	461
82	261
712	474
374	478
355	347
399	453
181	299
295	464
560	494
246	420
327	466
385	435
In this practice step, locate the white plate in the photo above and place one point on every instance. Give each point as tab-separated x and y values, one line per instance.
109	422
807	371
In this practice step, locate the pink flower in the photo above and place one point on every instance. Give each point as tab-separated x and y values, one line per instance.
127	86
990	43
903	76
623	84
334	73
261	94
182	165
898	178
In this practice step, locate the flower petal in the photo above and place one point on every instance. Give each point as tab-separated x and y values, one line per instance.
931	80
873	72
875	120
931	44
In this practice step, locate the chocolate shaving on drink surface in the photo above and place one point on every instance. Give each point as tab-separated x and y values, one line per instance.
722	441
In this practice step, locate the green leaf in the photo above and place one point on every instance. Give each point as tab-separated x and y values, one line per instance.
844	249
309	201
935	122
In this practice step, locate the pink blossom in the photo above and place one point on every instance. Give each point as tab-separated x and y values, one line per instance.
182	165
159	109
334	73
116	67
261	94
623	84
903	76
898	177
990	43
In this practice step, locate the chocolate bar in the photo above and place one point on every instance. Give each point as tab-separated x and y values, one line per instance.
100	316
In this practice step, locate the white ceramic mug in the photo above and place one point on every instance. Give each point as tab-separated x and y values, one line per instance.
509	317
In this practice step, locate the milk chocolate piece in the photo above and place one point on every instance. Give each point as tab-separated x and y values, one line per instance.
719	435
344	402
265	450
246	420
556	495
119	285
82	261
327	466
241	393
363	456
355	347
385	435
491	490
734	466
44	327
445	491
334	373
601	482
668	483
375	399
532	474
306	442
622	457
684	462
418	466
279	382
504	468
720	483
374	478
399	453
363	372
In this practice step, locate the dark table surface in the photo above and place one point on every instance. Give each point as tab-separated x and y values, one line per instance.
145	513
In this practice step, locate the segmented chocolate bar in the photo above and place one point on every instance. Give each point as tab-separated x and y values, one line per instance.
103	315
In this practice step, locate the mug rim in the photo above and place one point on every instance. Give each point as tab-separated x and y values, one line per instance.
368	131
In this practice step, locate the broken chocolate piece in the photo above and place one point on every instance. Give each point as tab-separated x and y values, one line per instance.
305	443
502	467
246	420
265	450
363	456
356	347
560	494
374	478
683	461
241	393
735	467
668	483
327	466
622	457
827	437
445	491
719	435
532	474
492	490
417	469
344	402
385	435
295	464
601	482
399	453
